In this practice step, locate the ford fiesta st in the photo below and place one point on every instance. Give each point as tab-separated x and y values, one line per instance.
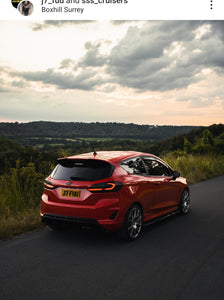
118	190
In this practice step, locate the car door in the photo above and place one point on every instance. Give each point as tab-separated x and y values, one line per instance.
166	190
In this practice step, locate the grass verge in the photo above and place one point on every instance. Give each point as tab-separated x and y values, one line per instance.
22	222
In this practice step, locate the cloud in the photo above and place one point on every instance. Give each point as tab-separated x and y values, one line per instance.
67	63
149	59
93	58
158	56
19	84
162	55
4	90
165	72
57	23
121	22
4	86
85	80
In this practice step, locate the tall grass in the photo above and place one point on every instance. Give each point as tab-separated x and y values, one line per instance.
20	189
196	167
21	222
20	192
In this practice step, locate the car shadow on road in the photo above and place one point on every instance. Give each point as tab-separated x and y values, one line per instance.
90	236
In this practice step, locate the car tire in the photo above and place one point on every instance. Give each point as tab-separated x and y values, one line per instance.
184	205
132	225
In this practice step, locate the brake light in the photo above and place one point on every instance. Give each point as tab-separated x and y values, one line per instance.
49	185
113	186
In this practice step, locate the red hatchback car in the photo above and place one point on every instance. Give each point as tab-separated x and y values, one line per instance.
118	190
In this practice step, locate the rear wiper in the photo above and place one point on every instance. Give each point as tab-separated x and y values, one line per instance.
78	178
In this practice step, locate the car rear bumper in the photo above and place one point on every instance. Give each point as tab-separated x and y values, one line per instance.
105	213
52	218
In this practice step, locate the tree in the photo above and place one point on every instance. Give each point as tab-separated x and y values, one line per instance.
207	138
187	146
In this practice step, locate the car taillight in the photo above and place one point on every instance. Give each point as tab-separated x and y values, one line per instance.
49	185
105	187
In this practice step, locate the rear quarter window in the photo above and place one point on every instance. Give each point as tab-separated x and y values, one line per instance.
134	166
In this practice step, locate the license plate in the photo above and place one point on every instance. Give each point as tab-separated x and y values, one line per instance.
70	193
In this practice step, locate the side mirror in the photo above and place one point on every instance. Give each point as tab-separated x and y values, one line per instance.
176	174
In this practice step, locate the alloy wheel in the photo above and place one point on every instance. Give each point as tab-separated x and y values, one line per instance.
134	222
185	202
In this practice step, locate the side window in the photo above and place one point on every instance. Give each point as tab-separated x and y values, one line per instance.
134	166
156	168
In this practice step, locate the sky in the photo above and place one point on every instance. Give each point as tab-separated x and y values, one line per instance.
143	72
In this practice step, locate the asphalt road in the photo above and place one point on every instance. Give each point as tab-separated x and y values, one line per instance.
178	258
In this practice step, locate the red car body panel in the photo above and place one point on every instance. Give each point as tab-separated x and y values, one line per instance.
157	195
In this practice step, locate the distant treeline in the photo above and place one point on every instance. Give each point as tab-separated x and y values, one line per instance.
42	129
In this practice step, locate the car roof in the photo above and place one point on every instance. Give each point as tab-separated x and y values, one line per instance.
109	156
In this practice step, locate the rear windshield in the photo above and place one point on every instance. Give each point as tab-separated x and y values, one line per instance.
82	170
